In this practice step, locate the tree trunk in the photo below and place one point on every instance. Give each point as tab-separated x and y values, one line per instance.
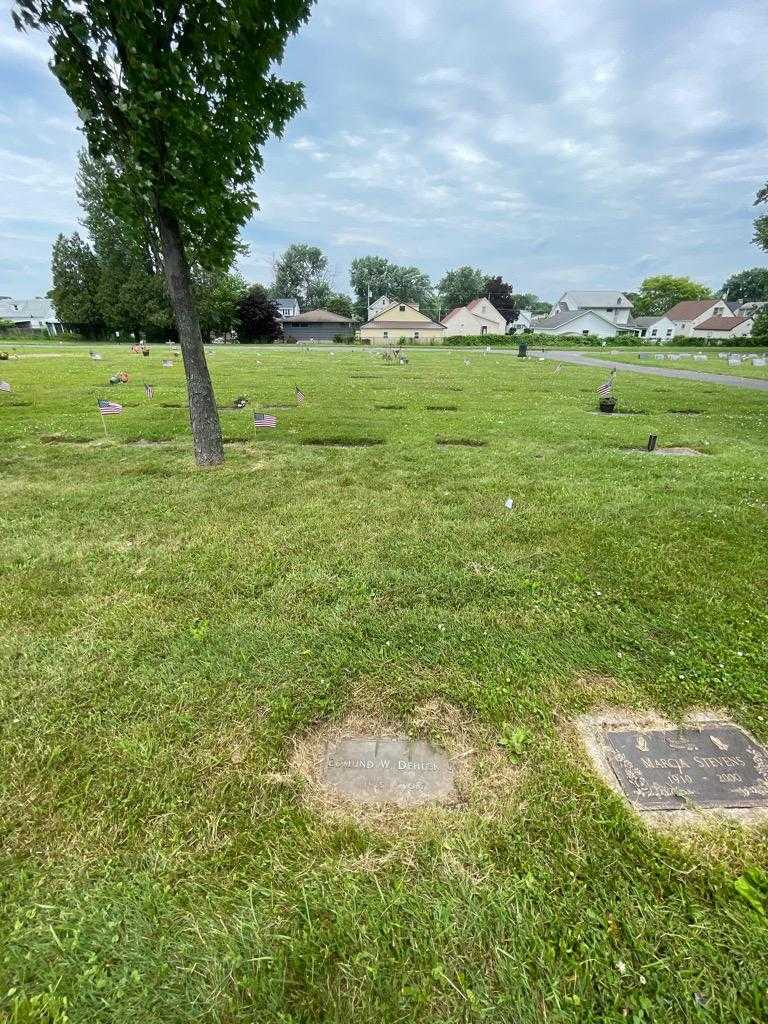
206	429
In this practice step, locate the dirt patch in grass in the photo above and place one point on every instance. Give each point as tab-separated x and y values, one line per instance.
293	406
66	439
667	450
460	442
684	412
342	442
398	407
148	442
442	408
485	778
677	450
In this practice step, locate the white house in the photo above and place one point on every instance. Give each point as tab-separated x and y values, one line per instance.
654	328
723	327
686	316
479	316
613	305
287	307
31	315
582	321
523	322
379	306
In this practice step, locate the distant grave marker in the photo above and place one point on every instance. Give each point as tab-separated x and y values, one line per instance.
710	765
389	770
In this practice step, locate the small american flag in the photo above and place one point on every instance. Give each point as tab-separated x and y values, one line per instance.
606	388
107	408
300	397
149	391
4	385
261	419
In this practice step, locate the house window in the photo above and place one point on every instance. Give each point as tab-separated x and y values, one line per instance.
415	334
386	334
483	329
653	333
402	309
669	332
585	332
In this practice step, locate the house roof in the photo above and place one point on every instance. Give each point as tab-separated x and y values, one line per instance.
597	298
27	309
691	309
378	321
317	316
722	323
645	321
470	307
560	319
426	325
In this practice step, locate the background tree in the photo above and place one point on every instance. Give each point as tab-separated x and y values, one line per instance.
76	283
300	270
660	293
217	298
527	300
377	276
760	236
460	286
502	295
760	328
747	285
322	296
177	98
258	316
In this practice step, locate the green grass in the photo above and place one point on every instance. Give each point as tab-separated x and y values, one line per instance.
168	633
712	365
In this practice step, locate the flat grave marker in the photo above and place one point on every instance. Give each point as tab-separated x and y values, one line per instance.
714	764
389	770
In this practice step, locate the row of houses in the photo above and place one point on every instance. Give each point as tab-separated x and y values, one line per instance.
607	314
599	314
391	320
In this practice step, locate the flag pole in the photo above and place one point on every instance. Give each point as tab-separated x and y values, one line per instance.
103	423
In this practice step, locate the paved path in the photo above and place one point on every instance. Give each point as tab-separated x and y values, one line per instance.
748	383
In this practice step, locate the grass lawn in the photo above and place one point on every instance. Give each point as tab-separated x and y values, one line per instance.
169	634
712	365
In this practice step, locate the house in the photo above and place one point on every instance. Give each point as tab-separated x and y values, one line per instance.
31	315
614	306
686	316
654	328
401	321
523	322
479	316
287	307
723	327
317	325
582	321
382	303
750	308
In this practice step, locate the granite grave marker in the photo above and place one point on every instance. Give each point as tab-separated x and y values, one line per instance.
389	770
712	765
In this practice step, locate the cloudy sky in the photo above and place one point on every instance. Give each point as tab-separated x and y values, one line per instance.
558	143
